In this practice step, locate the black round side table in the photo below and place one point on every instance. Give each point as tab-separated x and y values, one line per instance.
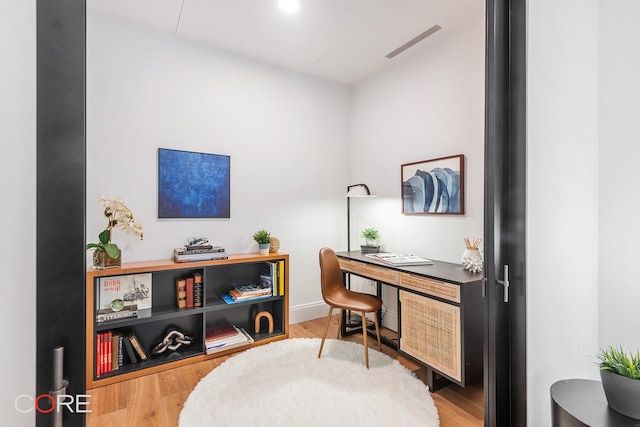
578	402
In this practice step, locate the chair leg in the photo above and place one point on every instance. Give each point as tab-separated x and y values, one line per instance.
340	320
375	320
364	339
326	328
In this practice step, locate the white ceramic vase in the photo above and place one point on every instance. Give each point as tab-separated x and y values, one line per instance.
470	253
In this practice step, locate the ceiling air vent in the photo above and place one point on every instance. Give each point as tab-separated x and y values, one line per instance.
414	41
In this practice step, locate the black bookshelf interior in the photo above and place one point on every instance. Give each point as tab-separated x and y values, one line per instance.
152	325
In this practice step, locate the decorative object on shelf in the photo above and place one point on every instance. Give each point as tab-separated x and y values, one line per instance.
473	264
371	237
620	374
274	245
117	304
198	243
124	290
193	185
262	237
172	340
471	257
107	254
269	318
433	186
102	260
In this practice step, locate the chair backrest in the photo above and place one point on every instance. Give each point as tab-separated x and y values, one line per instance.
330	274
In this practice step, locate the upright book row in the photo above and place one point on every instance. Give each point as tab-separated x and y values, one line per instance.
273	274
270	284
114	349
189	290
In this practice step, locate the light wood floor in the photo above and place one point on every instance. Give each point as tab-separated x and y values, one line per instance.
156	400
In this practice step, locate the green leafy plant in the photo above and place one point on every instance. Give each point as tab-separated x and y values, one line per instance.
619	362
120	216
371	235
262	236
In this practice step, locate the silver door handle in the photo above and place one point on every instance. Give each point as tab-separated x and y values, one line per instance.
505	283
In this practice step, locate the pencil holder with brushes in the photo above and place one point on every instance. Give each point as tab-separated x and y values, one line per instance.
471	257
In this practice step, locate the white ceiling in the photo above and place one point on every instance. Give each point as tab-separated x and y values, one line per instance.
341	40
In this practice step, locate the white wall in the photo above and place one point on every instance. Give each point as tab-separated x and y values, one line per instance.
286	134
427	106
619	293
18	215
562	198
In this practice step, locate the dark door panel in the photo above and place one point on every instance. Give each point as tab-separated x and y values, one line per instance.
505	197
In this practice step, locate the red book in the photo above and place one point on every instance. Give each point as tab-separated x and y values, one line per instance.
103	369
190	291
107	365
220	332
98	361
100	355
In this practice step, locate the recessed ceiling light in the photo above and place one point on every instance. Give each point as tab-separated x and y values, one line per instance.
289	6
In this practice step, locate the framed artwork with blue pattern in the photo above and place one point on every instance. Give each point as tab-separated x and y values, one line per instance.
433	186
193	185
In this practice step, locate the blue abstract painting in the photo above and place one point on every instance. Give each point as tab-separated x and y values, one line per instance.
434	186
193	185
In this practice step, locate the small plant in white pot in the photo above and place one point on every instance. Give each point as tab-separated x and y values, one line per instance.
620	374
372	238
262	237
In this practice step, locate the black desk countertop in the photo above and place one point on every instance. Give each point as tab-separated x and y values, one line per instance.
580	402
454	273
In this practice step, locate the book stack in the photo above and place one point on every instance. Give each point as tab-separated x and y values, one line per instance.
189	253
111	347
108	315
226	337
241	293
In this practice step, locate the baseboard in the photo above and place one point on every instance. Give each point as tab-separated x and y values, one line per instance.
304	312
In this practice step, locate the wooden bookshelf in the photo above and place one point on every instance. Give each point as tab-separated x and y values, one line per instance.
219	276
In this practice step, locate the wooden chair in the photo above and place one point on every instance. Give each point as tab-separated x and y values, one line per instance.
338	296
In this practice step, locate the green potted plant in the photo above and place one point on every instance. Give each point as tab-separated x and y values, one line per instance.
620	374
262	237
107	254
371	237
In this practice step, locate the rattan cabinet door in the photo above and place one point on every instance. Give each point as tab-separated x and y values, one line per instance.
430	332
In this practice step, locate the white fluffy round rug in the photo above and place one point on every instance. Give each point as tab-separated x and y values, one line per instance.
285	384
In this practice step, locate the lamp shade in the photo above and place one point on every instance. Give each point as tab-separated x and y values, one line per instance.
359	190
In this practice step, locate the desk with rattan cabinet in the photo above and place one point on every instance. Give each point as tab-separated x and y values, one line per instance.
440	313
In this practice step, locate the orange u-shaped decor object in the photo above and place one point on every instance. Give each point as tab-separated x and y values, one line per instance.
259	316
